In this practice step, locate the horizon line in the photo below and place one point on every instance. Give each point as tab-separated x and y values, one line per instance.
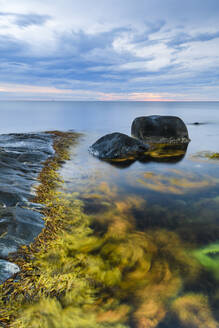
106	101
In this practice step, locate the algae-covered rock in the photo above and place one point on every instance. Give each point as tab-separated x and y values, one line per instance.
167	152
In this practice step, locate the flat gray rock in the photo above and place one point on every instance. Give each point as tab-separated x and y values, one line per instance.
21	159
7	269
118	146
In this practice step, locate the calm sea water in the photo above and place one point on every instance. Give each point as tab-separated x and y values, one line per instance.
107	117
174	204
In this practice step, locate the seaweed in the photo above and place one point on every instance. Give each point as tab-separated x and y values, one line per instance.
214	156
206	155
193	310
111	276
209	257
176	182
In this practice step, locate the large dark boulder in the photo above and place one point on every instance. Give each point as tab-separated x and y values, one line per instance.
118	146
160	129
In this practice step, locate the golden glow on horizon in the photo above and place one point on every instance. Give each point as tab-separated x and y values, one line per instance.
137	96
79	94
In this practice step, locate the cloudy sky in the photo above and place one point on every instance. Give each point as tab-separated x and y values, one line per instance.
109	49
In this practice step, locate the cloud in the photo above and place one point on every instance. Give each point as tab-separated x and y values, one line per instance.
111	48
32	19
25	20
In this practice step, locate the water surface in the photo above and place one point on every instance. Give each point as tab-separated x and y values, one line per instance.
174	204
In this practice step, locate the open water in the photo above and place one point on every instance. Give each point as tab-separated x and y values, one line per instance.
174	203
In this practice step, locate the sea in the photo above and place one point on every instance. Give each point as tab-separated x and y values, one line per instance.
173	201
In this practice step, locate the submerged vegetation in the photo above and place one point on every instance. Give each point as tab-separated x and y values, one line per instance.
193	311
206	155
214	156
176	181
209	258
96	270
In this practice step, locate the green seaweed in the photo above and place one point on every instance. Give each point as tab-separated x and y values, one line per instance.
205	155
209	258
214	156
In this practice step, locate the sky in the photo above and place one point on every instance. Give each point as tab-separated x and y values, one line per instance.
108	50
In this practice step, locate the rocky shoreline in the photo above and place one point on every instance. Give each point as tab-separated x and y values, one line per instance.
21	160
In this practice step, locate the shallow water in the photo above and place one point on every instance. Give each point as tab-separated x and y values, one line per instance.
173	203
180	198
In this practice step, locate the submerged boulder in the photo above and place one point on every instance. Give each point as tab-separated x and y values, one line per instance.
118	146
160	129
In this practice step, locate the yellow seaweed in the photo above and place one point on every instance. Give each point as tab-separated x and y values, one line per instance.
176	182
193	311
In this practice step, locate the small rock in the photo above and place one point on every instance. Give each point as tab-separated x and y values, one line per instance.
117	146
7	269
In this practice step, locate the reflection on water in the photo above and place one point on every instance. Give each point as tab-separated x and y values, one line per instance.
161	153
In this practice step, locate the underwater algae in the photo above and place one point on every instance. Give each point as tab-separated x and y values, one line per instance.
205	155
192	310
176	181
75	275
214	156
107	280
209	258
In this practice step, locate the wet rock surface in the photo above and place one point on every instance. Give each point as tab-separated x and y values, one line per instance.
21	160
7	269
160	129
117	146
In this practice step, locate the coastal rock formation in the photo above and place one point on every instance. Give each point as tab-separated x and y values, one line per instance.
21	160
118	146
160	129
